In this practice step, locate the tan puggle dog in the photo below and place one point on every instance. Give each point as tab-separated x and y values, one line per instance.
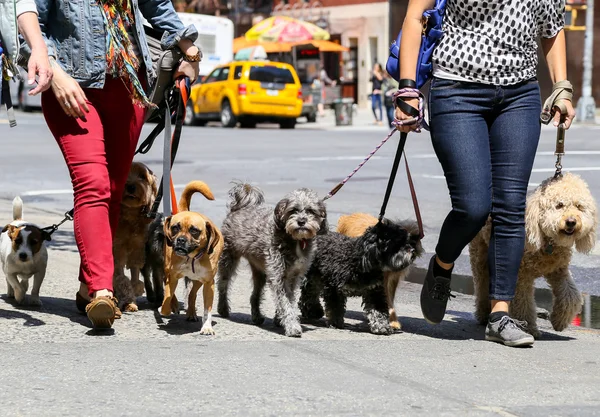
193	246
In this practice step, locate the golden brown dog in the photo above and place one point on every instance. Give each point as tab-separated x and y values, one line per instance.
132	233
355	225
561	217
193	246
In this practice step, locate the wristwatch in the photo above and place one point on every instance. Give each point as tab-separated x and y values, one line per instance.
193	58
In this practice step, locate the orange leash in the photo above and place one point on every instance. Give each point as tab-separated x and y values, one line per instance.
183	89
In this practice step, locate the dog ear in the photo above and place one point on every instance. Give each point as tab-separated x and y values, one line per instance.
587	242
279	213
324	226
213	237
9	228
46	236
370	244
167	230
533	231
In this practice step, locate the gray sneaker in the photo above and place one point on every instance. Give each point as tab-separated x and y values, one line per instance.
509	331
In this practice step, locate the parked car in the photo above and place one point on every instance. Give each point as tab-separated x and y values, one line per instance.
247	92
19	94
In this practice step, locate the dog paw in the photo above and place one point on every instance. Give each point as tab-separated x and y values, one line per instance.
175	305
293	330
277	321
534	332
130	308
192	316
258	319
223	309
20	298
395	325
34	301
312	312
336	323
138	288
207	330
381	329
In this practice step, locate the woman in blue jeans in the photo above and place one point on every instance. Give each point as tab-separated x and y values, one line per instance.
484	110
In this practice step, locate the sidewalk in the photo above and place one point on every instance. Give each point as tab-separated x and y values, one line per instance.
53	365
363	119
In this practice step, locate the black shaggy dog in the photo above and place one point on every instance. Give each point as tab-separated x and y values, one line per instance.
153	270
348	267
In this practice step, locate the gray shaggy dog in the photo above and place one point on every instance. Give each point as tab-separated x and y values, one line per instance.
354	267
278	244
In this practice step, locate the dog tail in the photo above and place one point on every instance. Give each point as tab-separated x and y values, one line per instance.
191	189
244	195
17	205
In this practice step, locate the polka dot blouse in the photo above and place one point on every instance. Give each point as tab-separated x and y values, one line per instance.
495	41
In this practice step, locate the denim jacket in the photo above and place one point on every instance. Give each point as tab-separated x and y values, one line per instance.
9	33
76	35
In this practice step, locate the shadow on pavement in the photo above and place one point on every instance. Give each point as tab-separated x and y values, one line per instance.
62	240
28	320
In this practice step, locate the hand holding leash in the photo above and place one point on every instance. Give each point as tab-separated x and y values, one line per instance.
559	105
408	117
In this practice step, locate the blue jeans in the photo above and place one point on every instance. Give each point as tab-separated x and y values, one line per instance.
390	112
376	105
485	138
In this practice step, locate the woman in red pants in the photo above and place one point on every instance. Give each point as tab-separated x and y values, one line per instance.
95	110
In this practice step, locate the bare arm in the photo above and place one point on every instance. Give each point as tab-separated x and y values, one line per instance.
38	62
411	37
555	51
409	50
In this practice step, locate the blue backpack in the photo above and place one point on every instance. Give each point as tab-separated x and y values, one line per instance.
432	32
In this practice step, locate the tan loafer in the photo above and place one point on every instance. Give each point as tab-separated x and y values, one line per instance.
102	312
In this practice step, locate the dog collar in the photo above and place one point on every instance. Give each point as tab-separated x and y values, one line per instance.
195	258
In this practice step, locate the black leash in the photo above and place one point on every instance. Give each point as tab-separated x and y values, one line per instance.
68	217
411	111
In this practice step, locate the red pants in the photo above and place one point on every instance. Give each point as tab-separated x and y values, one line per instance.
98	153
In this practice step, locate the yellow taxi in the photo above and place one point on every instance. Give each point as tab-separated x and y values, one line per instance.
247	92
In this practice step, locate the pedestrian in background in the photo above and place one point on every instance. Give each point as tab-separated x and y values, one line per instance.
321	82
15	16
95	110
484	112
389	86
376	92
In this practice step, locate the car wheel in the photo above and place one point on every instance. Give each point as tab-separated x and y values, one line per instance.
287	124
228	119
247	124
190	117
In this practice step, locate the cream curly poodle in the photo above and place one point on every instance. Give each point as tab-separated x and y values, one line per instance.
561	214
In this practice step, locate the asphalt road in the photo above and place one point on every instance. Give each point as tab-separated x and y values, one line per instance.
53	364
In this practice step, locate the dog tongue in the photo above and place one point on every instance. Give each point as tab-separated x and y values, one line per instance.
303	244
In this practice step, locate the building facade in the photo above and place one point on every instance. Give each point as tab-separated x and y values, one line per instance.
361	25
